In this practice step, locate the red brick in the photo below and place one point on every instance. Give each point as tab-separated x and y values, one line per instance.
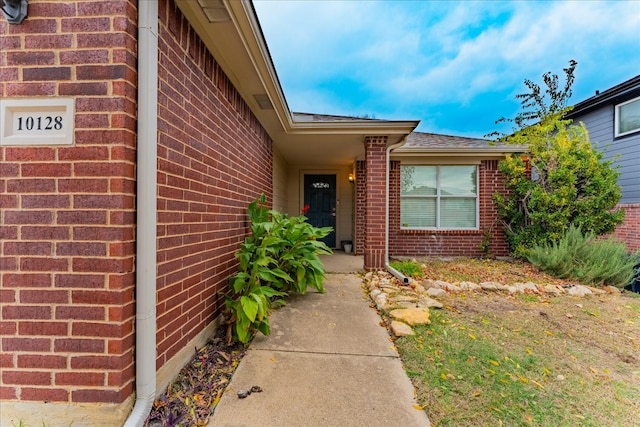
84	24
42	328
8	232
6	361
91	281
29	154
100	72
84	153
49	41
25	312
28	217
45	201
27	248
78	345
26	344
45	233
44	394
41	361
80	248
106	234
46	73
87	379
98	297
30	58
101	7
83	185
43	297
44	264
80	313
94	329
8	201
46	169
8	328
84	89
104	169
31	89
31	186
34	26
96	362
26	377
8	170
85	56
7	296
8	393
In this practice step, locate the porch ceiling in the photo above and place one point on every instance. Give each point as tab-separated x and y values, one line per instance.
236	41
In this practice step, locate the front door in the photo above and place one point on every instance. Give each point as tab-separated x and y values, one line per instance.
320	196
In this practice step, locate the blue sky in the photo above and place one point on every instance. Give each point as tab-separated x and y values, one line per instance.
455	65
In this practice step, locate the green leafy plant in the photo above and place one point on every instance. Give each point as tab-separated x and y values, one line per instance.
408	268
584	258
562	180
280	256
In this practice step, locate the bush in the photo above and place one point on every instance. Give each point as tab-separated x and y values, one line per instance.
584	258
280	256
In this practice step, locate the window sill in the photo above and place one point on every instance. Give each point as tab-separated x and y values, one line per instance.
465	231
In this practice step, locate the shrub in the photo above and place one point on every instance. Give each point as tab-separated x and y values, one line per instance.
563	181
280	256
584	258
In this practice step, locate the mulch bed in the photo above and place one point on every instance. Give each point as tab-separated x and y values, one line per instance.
193	396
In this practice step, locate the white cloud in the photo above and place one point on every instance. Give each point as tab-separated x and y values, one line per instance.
404	55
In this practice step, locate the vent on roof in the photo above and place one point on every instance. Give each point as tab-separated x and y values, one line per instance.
263	101
215	10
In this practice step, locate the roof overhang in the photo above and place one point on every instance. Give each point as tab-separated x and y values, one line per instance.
231	31
489	152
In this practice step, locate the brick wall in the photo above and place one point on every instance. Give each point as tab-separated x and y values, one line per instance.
67	213
436	243
214	158
629	231
361	198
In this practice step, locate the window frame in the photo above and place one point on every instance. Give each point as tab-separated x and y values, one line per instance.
438	197
616	113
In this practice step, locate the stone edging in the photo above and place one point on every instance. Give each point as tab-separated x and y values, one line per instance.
408	305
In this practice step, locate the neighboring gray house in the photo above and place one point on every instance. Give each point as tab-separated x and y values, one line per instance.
612	118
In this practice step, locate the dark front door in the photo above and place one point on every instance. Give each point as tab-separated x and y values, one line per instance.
320	196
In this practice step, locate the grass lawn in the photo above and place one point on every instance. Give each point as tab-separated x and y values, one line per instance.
493	359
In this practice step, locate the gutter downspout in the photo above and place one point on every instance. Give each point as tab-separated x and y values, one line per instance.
404	279
146	218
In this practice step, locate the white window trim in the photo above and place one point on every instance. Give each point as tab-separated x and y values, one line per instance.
437	196
616	114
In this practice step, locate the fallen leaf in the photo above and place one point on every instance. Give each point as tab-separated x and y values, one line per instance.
569	316
494	362
418	407
473	337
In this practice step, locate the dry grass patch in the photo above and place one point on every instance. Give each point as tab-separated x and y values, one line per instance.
491	359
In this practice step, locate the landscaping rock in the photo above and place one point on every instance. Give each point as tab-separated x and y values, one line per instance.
527	287
400	329
448	286
554	289
429	303
381	301
579	291
436	292
412	316
469	286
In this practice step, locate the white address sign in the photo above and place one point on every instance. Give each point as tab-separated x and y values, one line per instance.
36	121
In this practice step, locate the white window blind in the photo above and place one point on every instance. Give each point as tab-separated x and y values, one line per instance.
439	197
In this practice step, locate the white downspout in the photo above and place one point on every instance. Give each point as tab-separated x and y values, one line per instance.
145	350
390	269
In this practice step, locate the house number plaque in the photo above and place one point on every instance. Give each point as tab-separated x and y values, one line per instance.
36	121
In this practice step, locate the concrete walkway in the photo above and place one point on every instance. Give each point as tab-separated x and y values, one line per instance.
327	362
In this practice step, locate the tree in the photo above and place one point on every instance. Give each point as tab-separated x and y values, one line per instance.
561	180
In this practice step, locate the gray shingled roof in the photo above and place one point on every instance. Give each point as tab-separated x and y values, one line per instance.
422	140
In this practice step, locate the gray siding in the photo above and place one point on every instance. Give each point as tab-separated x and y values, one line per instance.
624	151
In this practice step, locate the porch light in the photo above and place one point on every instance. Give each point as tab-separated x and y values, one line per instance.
351	178
14	10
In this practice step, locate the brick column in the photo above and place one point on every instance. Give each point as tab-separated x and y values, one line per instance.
375	184
361	199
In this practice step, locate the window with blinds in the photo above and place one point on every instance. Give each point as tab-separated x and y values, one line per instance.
439	197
